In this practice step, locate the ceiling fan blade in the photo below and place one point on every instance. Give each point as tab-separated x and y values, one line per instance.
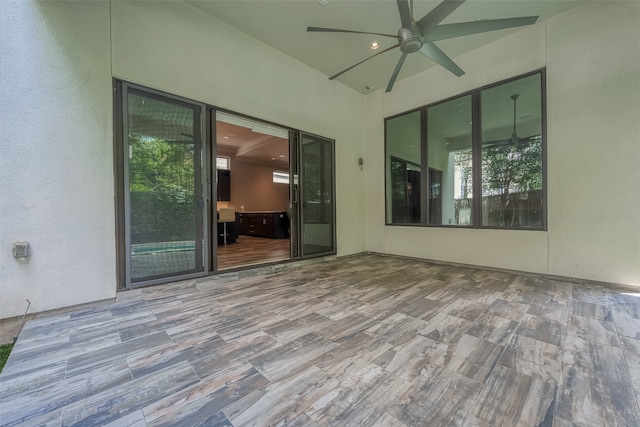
520	142
449	31
336	30
405	14
496	143
394	76
434	53
514	140
438	14
366	59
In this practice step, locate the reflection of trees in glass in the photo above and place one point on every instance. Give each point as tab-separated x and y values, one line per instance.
512	173
312	183
317	183
398	181
162	187
405	191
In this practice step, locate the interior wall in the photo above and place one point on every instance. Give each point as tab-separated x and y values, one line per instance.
253	189
175	48
593	143
56	161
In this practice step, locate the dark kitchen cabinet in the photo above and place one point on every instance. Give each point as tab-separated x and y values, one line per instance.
224	185
274	225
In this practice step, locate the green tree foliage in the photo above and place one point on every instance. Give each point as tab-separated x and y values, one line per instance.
162	187
5	351
511	173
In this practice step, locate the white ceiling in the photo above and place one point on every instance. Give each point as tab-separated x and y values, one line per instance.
282	24
247	141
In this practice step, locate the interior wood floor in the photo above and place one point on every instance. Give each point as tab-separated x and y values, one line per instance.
249	250
362	341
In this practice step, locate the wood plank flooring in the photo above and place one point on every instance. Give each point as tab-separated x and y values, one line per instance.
249	250
362	341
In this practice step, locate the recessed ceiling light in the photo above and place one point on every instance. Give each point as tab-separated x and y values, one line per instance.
374	45
225	137
282	156
273	158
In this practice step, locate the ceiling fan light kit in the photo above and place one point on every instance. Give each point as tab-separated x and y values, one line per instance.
419	36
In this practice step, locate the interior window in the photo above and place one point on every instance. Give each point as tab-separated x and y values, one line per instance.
222	162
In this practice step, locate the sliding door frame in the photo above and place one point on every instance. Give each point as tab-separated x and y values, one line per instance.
205	188
301	194
121	127
294	195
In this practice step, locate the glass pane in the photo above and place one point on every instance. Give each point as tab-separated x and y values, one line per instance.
163	171
404	166
317	195
222	162
450	166
512	154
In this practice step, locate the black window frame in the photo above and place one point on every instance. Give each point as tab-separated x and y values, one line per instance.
476	135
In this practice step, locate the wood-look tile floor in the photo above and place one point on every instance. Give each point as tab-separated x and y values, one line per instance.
361	341
249	250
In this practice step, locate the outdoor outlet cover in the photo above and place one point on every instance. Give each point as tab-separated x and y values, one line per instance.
21	249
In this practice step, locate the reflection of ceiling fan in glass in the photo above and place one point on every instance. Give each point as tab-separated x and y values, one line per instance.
515	139
418	36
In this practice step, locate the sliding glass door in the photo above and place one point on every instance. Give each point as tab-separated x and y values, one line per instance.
164	204
317	195
280	187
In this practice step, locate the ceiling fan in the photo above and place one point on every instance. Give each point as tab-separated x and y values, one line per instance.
419	36
515	139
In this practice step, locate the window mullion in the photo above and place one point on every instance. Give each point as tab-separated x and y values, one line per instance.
476	142
424	178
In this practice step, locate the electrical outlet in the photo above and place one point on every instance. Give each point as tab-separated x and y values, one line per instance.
20	249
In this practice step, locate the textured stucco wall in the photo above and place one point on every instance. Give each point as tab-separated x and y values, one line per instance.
56	167
593	87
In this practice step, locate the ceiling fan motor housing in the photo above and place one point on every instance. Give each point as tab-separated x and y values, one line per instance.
410	40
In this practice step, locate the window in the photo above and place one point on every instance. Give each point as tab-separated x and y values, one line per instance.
450	162
222	162
511	160
281	177
484	162
404	170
